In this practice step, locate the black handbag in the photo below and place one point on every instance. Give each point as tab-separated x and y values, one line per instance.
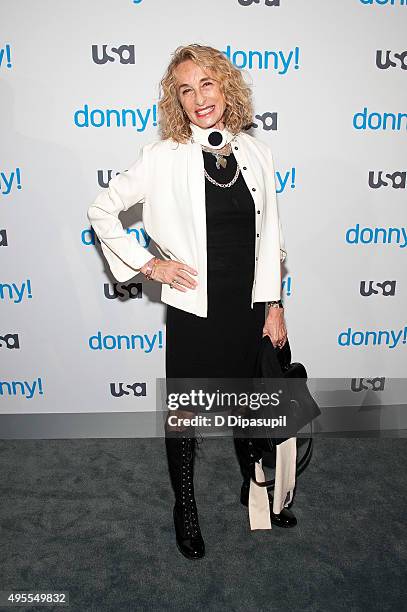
301	408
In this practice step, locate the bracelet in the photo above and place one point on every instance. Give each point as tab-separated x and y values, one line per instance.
150	269
275	304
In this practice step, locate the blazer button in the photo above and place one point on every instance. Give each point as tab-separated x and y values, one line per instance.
258	212
236	148
244	168
253	188
256	258
258	235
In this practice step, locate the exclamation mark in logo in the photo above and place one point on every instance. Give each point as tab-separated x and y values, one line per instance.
405	335
297	58
29	292
18	177
154	114
40	390
287	285
292	178
8	55
160	339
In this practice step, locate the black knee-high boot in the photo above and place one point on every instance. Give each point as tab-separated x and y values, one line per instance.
180	455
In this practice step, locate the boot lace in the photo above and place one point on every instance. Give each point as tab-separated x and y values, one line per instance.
189	509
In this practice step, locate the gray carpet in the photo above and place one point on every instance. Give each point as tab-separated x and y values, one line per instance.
94	517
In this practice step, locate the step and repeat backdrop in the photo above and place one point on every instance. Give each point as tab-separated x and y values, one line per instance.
79	92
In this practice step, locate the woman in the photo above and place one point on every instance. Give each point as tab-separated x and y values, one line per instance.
209	204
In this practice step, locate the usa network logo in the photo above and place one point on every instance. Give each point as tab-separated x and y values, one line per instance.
267	121
391	59
103	54
137	389
10	341
385	288
123	290
395	180
367	384
105	176
265	2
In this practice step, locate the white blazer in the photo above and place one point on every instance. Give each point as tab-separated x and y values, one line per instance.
168	179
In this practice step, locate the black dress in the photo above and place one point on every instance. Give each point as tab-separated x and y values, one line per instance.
224	344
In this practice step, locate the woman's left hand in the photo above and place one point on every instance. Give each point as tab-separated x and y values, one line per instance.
275	328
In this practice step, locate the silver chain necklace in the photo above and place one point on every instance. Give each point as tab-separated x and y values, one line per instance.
223	185
221	161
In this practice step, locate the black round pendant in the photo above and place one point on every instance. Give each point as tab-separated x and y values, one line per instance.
215	138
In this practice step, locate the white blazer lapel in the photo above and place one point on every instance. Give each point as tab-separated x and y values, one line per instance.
196	187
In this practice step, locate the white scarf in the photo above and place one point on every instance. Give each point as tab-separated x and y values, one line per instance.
210	137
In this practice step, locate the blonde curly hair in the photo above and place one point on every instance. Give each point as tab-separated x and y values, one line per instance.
173	121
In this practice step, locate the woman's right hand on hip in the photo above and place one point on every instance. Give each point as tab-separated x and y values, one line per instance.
174	273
